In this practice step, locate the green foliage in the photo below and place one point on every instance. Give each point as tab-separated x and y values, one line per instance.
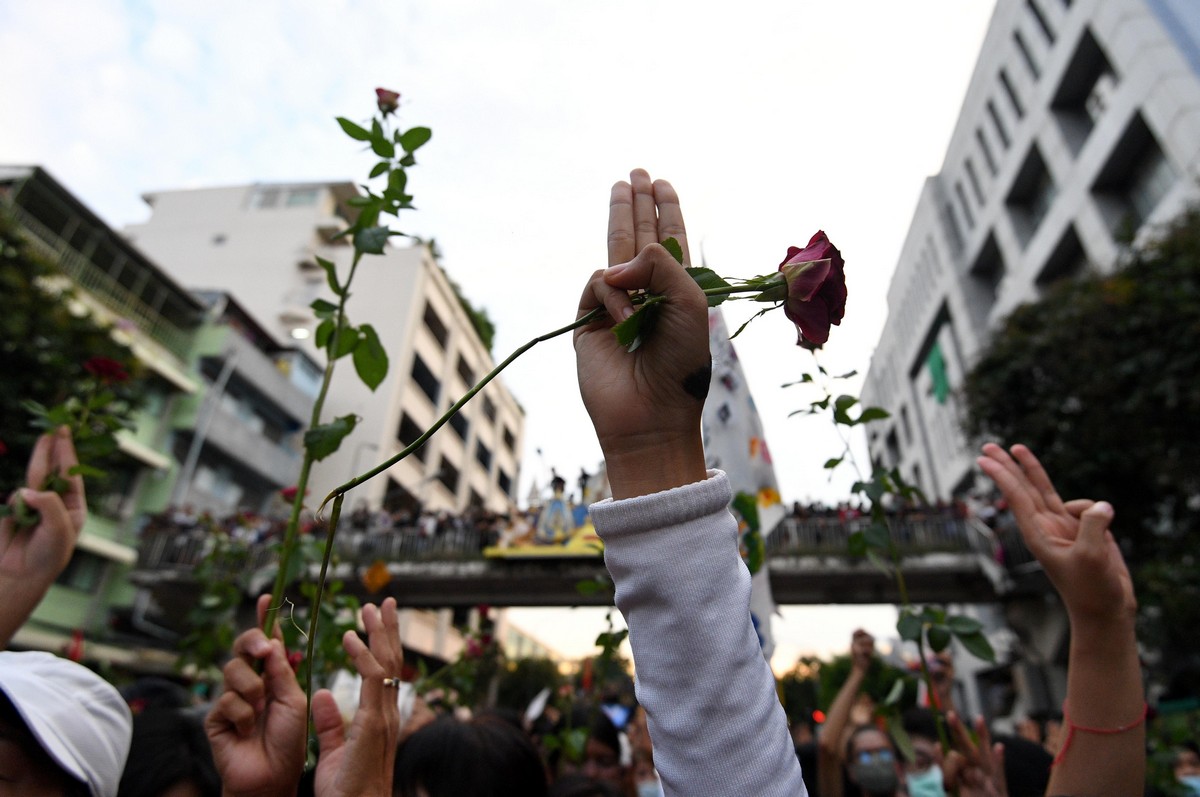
212	620
880	680
321	441
521	680
44	344
1099	379
480	321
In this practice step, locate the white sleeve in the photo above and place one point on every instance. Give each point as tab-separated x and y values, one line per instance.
714	718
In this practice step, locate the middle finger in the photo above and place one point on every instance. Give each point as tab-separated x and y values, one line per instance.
645	214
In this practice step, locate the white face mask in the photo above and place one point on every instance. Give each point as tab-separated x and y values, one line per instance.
926	784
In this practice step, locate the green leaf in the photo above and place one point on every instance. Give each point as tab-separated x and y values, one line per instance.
857	544
840	406
706	278
415	138
635	330
347	341
324	331
589	586
330	275
371	240
939	637
846	375
873	414
881	564
877	536
370	360
830	464
321	441
397	180
896	692
672	246
408	160
978	646
908	626
383	148
323	309
960	624
87	471
354	131
380	168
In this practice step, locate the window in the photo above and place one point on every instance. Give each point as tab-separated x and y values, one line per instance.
460	425
1067	261
301	197
998	123
504	482
966	208
974	180
435	326
1011	93
483	455
986	149
465	372
84	572
448	475
1043	25
1026	54
906	425
1084	93
1134	180
1032	195
510	442
489	409
474	500
893	448
425	379
264	198
983	282
953	233
408	433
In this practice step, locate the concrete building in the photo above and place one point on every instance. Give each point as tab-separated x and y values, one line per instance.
240	440
1078	135
1079	132
259	242
153	315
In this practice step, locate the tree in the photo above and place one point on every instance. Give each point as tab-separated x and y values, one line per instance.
1099	378
45	339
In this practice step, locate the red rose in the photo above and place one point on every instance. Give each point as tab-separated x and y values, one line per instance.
289	493
106	369
388	101
816	289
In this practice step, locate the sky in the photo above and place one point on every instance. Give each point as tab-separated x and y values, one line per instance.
772	119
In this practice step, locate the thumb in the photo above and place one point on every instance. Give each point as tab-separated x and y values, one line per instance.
327	721
1093	524
655	270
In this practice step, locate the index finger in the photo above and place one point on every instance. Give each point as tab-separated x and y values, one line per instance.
620	224
39	462
670	217
62	459
1038	477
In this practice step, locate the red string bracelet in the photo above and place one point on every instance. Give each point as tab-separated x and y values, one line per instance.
1072	727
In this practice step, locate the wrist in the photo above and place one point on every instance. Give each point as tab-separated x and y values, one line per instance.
653	463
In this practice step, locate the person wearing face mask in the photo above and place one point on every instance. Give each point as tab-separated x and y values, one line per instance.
1187	768
923	774
872	764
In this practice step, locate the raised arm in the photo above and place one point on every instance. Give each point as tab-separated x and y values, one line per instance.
1103	749
670	542
832	740
30	559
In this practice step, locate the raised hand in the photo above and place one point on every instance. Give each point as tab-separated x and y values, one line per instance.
31	558
646	404
359	761
1070	539
862	650
973	769
258	726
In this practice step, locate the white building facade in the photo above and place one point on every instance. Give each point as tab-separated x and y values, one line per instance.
260	243
1079	133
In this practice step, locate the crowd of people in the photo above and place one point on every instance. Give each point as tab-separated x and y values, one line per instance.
709	721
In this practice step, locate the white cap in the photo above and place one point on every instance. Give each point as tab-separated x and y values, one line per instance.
80	720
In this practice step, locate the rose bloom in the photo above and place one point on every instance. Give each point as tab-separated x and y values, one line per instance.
106	369
388	101
816	289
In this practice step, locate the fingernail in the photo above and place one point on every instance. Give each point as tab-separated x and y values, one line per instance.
260	647
1103	506
626	312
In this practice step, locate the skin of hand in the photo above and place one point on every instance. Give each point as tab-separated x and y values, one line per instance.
258	725
359	761
973	769
646	405
1071	539
1104	683
862	650
30	559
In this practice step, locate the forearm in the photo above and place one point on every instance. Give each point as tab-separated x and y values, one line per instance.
713	714
1104	692
836	720
21	597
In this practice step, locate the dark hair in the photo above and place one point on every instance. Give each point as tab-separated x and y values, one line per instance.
859	731
23	737
581	786
168	747
482	757
920	722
